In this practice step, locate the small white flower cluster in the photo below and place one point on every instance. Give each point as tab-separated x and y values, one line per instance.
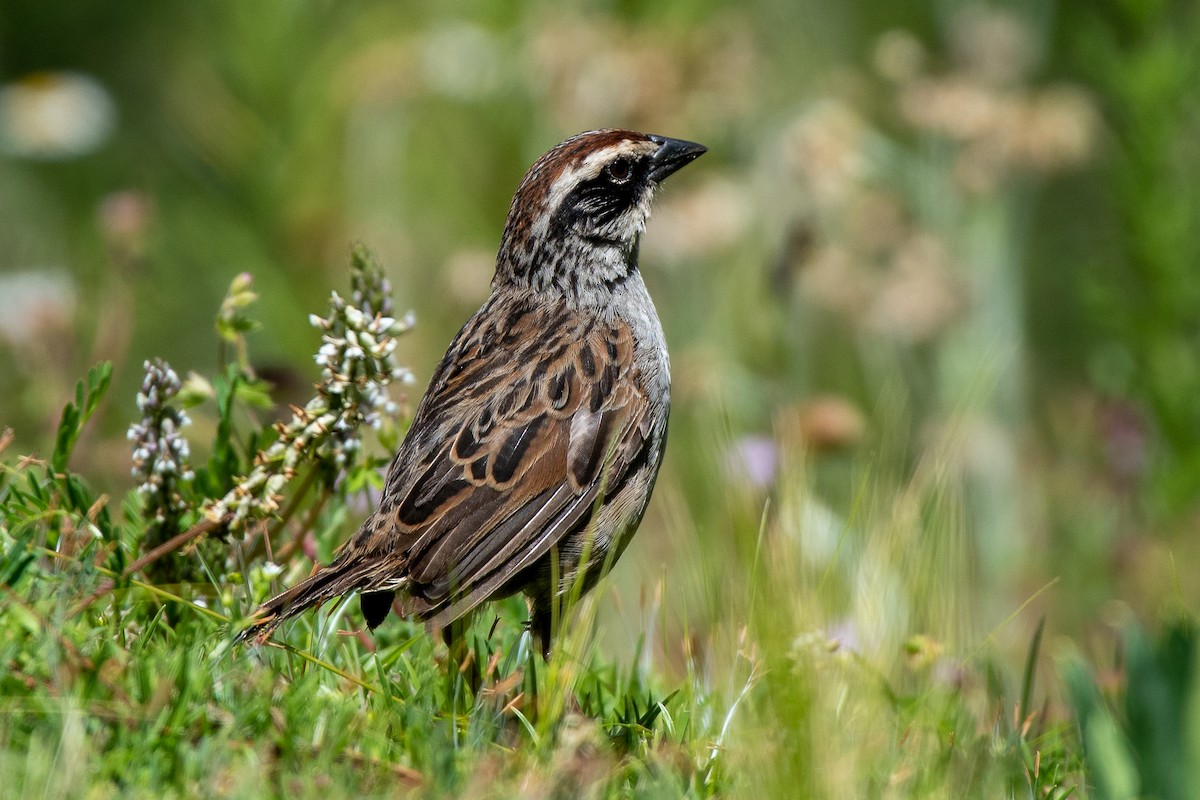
357	360
160	452
357	363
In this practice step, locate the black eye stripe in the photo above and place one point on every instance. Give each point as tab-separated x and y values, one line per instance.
602	198
596	196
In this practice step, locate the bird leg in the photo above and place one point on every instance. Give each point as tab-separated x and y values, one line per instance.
541	624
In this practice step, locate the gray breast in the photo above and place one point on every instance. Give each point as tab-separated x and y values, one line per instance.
631	302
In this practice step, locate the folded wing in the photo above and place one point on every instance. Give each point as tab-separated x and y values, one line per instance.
531	416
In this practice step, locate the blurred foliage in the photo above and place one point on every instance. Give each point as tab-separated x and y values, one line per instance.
1140	717
934	337
1142	60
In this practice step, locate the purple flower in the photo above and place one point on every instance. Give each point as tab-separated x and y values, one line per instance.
753	460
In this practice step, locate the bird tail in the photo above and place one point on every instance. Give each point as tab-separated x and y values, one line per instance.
333	581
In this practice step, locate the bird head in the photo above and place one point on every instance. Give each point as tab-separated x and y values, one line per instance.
579	213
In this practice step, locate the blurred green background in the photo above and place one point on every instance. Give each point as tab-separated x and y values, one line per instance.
948	239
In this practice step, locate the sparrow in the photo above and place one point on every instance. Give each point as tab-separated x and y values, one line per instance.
532	455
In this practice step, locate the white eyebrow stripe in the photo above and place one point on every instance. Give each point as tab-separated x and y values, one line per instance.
567	180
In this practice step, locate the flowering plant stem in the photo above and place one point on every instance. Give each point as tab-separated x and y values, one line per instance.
310	519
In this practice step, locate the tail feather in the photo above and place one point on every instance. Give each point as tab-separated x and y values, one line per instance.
328	583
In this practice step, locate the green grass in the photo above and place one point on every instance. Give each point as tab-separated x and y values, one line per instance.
115	699
934	278
856	670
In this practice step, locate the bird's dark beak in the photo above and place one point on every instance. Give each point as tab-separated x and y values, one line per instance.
672	154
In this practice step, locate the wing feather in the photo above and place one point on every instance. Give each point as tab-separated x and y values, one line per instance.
517	450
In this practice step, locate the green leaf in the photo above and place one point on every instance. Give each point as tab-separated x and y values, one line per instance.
1030	670
362	476
1110	760
254	393
88	395
1154	704
195	390
17	559
25	619
38	496
223	466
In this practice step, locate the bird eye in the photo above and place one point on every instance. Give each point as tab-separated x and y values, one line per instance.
620	170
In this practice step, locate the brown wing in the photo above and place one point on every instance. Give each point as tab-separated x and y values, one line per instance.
530	415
